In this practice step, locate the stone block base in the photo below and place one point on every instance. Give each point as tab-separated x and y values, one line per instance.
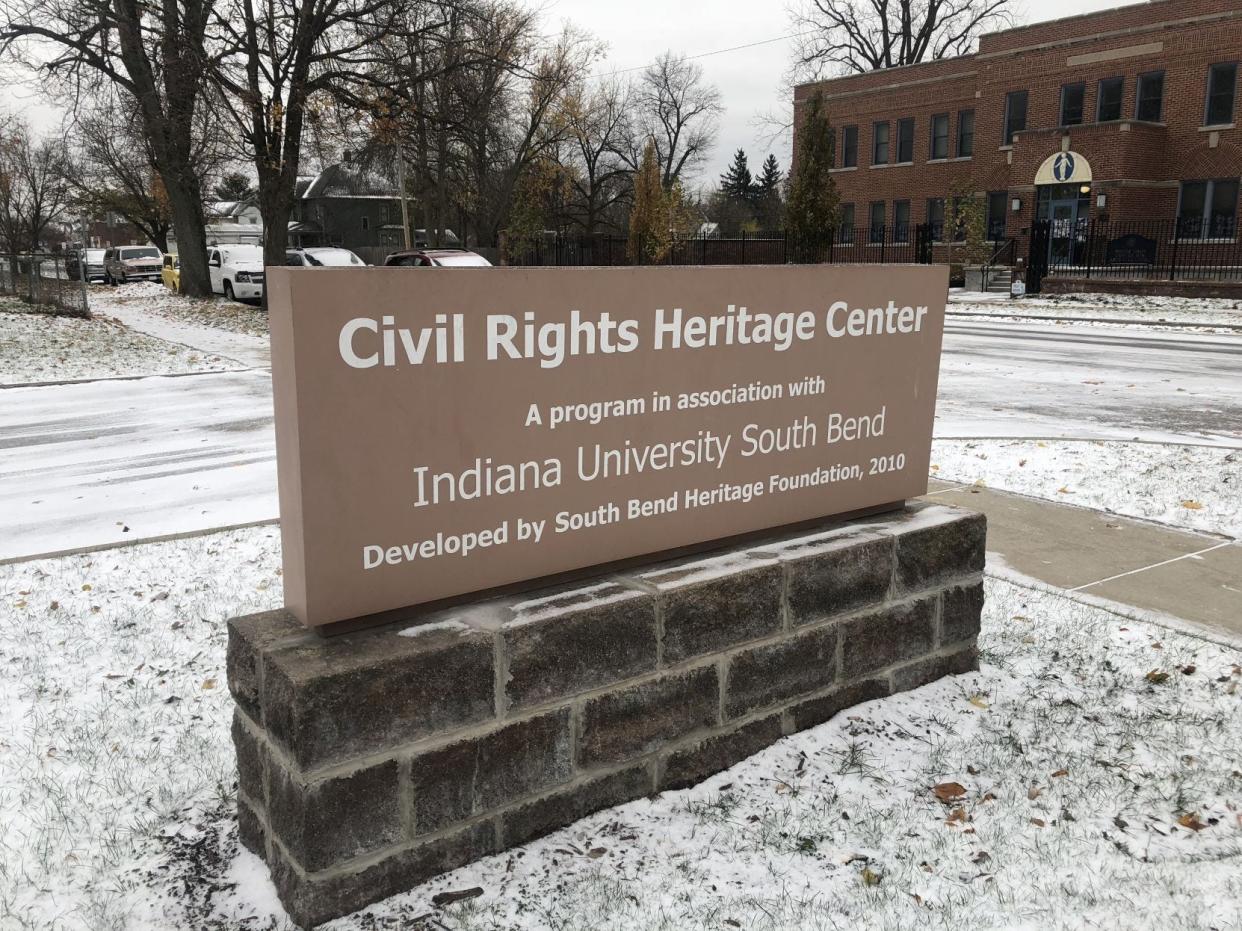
372	761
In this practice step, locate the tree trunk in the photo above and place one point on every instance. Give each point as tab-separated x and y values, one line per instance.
187	211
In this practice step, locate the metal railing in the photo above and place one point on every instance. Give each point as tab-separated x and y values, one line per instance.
864	244
1164	250
46	280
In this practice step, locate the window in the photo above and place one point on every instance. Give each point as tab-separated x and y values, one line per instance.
935	217
1072	97
879	144
959	219
965	133
849	150
940	135
905	140
1149	98
847	223
1015	114
1108	99
366	223
877	221
1221	82
901	221
997	201
1208	209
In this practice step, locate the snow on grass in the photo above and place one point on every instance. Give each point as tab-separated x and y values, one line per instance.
116	714
1149	309
1097	755
1197	488
36	347
154	298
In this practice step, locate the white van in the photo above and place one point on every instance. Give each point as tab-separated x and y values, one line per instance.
236	271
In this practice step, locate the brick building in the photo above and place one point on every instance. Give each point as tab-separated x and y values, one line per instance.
1122	116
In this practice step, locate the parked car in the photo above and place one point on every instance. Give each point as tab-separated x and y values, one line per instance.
94	265
171	275
130	263
321	257
236	271
437	258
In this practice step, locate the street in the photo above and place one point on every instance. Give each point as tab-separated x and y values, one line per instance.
131	459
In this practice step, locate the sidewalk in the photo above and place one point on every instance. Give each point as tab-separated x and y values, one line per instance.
1189	576
248	351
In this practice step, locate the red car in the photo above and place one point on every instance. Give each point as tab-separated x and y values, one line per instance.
437	258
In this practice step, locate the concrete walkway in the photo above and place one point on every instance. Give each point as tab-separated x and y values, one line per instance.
1181	574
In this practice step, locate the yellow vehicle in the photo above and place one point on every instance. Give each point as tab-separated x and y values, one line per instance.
171	273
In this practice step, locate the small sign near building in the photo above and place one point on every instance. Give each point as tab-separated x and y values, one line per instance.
475	429
1132	249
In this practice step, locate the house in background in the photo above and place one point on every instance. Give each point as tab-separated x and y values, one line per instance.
234	221
346	206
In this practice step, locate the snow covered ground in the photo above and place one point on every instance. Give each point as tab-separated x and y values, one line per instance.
1148	309
37	347
1095	760
1197	488
153	298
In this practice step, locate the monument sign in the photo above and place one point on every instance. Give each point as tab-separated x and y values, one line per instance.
442	432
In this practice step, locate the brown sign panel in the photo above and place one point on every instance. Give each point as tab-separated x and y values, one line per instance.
446	431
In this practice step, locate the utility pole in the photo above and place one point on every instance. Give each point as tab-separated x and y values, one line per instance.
405	206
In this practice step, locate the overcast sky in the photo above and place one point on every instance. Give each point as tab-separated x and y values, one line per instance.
636	31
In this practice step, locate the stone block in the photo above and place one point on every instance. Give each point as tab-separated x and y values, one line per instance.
545	815
251	759
333	820
714	603
633	721
249	636
961	609
923	671
327	701
762	676
690	765
888	636
578	640
250	831
474	776
312	900
938	545
818	710
836	572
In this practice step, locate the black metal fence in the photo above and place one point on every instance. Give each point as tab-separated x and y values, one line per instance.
43	279
909	244
1162	250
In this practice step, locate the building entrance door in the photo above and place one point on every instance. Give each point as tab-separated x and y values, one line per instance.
1063	234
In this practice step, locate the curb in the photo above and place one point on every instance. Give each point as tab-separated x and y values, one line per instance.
1117	320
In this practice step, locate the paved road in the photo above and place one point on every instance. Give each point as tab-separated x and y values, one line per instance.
1048	380
122	460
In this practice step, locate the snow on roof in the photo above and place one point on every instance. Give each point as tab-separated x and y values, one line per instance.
345	181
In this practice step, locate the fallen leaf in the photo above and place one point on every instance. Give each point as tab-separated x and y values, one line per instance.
1156	677
448	898
1038	822
1188	670
209	683
1191	820
978	701
981	857
1063	490
597	852
949	791
1021	463
1033	793
1059	773
1190	505
957	816
869	878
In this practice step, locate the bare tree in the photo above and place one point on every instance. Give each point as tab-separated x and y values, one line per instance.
33	191
156	55
867	35
277	61
112	166
600	133
680	112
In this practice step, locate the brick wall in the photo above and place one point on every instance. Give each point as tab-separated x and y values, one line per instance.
1132	162
370	762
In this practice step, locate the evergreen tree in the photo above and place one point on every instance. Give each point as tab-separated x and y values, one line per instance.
768	184
737	183
813	199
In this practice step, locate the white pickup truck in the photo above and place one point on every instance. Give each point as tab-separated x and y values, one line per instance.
236	271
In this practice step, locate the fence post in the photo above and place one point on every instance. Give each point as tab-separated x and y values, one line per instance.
1177	230
743	247
785	246
1090	244
883	242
